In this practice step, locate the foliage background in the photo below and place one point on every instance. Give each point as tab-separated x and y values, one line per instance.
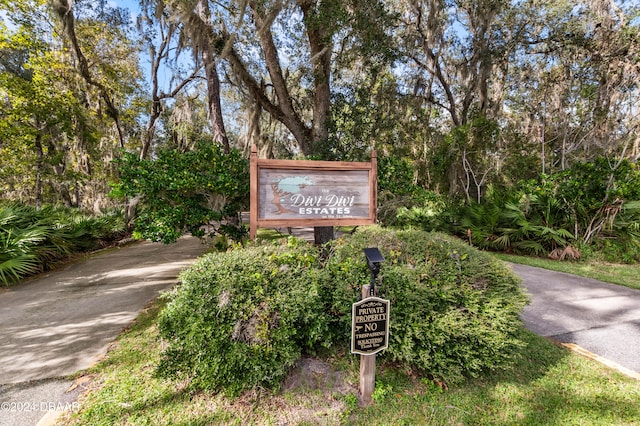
182	192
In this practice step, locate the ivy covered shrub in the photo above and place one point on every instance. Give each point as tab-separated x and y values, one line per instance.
454	309
242	318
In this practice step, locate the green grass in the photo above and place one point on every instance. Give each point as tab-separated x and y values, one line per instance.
548	386
626	275
271	234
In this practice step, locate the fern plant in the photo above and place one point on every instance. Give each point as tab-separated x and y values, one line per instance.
513	220
19	241
31	240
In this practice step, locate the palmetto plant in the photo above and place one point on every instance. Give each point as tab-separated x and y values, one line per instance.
624	230
513	220
20	238
547	221
483	220
31	240
628	220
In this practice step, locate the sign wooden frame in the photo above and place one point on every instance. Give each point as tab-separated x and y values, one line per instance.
302	193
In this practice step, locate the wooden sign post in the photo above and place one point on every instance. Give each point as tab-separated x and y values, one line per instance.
370	335
312	193
327	193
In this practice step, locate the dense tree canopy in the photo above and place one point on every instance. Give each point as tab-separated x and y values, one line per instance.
469	94
69	90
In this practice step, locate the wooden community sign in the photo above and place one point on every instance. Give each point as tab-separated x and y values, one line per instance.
300	193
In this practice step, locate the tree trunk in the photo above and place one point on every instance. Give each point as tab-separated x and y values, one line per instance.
65	195
213	82
284	110
130	210
321	50
39	167
213	98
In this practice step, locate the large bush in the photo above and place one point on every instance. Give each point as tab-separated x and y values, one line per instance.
602	199
454	310
186	191
241	319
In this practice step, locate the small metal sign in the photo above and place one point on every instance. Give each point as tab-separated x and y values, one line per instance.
370	326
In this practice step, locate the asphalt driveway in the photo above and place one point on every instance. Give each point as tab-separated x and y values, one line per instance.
602	318
64	321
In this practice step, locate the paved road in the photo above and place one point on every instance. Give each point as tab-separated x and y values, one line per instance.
63	322
599	317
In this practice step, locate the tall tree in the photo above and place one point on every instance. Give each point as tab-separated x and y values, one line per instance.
66	14
578	76
194	17
161	38
453	46
71	134
33	116
283	56
457	54
543	71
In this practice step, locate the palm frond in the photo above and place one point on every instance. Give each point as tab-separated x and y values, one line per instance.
17	267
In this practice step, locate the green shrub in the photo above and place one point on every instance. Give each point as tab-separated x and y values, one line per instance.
401	202
32	240
454	310
186	191
242	318
420	208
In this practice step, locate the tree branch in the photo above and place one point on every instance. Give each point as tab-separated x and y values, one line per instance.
293	121
64	10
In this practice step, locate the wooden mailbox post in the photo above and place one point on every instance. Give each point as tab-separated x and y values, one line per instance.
312	193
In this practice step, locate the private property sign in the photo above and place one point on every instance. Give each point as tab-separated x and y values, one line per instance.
312	193
370	326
